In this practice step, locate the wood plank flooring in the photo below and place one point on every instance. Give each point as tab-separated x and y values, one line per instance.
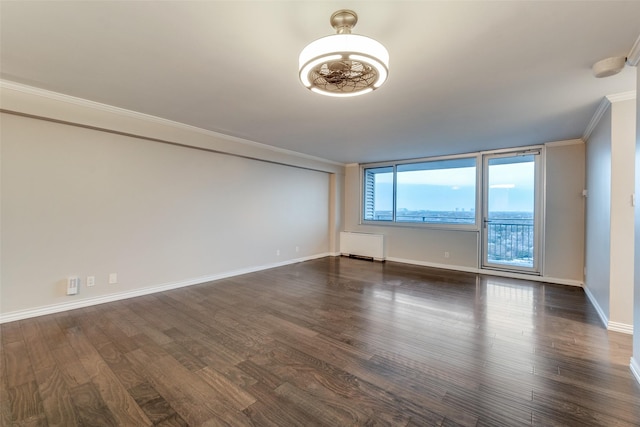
329	342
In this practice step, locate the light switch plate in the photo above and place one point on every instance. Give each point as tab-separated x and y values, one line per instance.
73	283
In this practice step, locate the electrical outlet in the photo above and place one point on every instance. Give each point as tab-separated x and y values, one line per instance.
113	278
73	283
91	281
277	252
297	248
446	254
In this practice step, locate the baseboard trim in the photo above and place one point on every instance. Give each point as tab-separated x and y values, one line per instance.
533	278
57	308
592	299
434	265
609	325
620	327
546	279
635	369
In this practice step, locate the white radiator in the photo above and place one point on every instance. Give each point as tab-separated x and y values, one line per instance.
363	245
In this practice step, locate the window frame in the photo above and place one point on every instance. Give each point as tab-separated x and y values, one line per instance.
434	225
365	201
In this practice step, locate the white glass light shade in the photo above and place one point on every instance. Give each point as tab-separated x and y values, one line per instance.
342	94
321	55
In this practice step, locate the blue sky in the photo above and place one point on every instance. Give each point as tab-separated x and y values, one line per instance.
510	189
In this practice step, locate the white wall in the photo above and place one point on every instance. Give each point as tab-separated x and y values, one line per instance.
598	216
610	242
336	214
426	246
623	138
635	360
77	201
565	211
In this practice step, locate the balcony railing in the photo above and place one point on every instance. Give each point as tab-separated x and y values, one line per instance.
433	219
510	241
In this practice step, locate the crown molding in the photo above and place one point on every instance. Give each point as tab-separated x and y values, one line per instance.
6	84
604	104
622	96
602	108
633	58
564	143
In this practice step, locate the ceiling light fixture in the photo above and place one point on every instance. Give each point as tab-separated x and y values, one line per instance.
343	64
609	66
612	66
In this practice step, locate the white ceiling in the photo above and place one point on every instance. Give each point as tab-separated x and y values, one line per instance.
464	76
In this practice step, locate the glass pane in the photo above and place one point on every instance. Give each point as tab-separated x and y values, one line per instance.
510	211
378	194
437	192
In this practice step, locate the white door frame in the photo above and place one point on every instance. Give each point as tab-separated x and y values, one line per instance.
538	213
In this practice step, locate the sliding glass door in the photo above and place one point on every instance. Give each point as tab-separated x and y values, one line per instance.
512	211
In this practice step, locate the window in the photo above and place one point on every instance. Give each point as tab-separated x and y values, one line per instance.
431	192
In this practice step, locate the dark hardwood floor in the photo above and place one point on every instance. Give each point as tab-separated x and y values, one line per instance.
333	342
